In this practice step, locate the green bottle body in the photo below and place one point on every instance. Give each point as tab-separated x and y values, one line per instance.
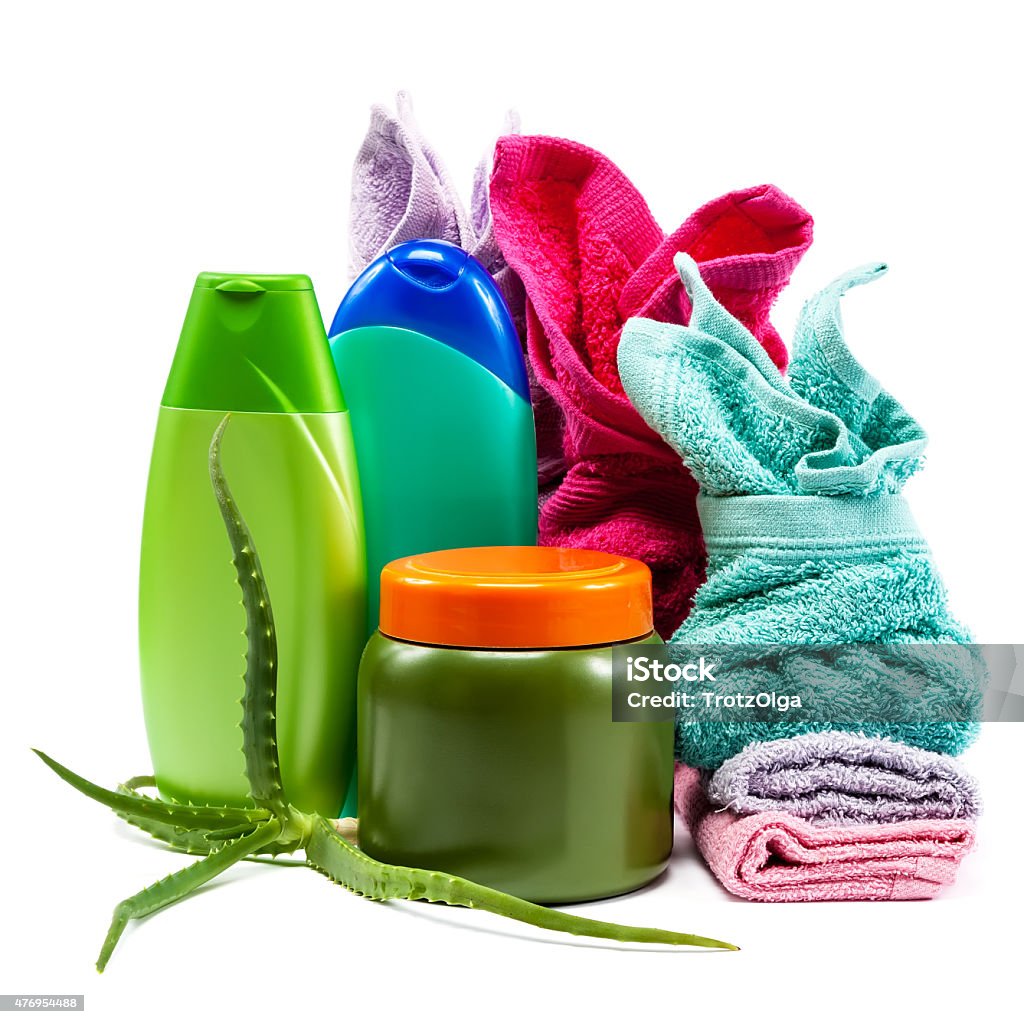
446	450
505	767
290	476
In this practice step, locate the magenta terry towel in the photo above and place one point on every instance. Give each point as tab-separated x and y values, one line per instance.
843	778
591	255
777	858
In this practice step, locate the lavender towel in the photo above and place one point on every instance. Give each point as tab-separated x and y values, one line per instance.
845	778
401	191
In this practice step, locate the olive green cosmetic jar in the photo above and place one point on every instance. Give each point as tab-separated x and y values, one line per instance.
486	742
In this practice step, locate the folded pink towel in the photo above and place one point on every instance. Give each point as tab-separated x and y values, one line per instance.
781	859
591	255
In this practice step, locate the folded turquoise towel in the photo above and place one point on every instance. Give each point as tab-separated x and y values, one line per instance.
809	538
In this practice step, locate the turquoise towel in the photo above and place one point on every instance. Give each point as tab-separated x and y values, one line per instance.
809	539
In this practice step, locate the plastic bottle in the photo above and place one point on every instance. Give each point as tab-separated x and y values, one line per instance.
433	372
253	346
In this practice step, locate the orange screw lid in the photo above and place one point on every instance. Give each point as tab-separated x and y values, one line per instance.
516	597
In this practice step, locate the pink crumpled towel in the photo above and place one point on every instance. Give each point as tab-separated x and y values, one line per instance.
590	255
778	858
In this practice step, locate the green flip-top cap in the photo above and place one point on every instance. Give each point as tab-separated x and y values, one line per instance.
253	343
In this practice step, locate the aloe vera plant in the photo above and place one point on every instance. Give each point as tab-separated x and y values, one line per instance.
222	836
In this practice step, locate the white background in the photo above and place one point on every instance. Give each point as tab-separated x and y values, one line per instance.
142	143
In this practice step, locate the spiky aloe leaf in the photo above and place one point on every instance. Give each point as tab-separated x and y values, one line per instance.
197	841
230	814
187	816
192	841
172	888
259	733
183	840
137	782
349	866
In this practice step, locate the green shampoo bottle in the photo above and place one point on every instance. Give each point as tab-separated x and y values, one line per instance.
253	346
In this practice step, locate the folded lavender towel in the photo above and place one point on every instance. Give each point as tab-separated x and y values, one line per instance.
845	778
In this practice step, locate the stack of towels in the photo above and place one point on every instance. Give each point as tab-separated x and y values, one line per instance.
768	507
810	542
831	816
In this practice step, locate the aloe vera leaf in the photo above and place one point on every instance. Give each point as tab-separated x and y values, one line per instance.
195	840
349	866
259	733
172	888
264	856
186	816
137	782
183	840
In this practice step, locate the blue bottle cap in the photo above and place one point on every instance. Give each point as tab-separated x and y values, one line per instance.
438	289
